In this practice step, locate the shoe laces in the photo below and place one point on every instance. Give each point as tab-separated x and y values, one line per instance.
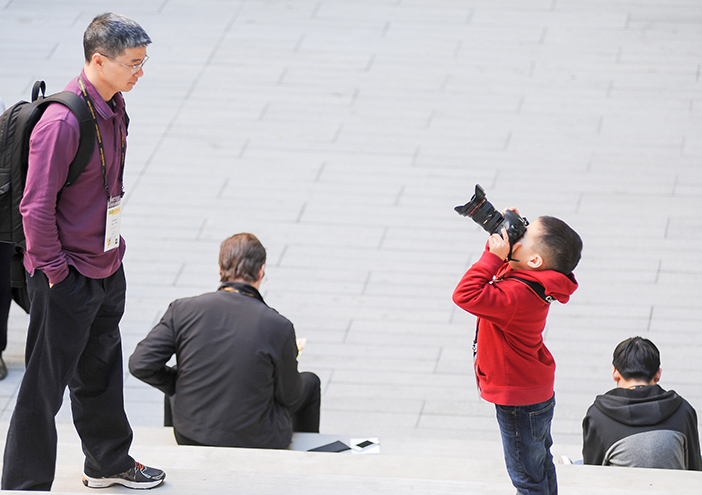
138	466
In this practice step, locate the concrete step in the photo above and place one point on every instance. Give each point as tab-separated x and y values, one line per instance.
415	470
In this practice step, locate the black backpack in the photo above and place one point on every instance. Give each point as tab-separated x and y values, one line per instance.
16	125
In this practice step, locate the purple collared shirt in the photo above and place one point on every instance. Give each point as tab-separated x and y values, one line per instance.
72	232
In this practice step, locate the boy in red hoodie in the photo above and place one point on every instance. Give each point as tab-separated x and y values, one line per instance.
510	295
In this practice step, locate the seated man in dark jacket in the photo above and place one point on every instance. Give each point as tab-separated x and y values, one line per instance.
236	382
638	424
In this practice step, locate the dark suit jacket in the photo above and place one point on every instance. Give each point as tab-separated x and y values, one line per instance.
236	369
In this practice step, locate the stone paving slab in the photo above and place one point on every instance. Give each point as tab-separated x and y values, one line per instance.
444	466
343	132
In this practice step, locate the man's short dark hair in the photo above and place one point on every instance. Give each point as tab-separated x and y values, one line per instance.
637	358
241	257
110	34
559	245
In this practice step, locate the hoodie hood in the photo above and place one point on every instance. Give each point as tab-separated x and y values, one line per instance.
555	283
646	406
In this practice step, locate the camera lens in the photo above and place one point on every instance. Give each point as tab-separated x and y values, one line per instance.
484	214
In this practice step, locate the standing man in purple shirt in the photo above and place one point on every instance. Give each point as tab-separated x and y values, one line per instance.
76	282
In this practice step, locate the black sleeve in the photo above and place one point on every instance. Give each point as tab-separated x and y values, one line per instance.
694	461
148	362
593	450
288	383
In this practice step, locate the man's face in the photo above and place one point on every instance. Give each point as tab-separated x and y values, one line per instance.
117	72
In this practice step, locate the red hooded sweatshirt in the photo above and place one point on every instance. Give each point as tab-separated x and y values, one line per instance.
513	366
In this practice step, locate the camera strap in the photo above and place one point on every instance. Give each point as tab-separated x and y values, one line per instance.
475	356
537	288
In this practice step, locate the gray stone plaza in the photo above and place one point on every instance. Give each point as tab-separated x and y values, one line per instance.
343	132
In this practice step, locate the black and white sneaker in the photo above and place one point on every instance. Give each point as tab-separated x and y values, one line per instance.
140	477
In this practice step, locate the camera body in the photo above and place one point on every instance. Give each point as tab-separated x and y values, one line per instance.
492	221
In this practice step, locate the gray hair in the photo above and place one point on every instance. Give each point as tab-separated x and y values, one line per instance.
110	34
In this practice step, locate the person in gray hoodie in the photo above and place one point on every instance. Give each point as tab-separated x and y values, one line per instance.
638	423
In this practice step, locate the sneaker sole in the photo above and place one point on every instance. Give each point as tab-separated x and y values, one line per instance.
105	482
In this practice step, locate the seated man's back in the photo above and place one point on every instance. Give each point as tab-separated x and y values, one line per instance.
236	383
638	424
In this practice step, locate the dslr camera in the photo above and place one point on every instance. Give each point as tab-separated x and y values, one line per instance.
484	214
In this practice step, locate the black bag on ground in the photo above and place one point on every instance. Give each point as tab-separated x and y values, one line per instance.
16	125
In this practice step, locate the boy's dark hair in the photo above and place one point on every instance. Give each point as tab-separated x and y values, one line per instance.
110	34
241	257
559	245
637	358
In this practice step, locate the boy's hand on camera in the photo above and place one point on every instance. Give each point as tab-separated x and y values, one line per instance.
499	245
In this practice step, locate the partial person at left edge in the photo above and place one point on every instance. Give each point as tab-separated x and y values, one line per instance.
5	291
76	282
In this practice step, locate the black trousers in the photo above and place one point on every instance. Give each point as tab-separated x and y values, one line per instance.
305	415
73	340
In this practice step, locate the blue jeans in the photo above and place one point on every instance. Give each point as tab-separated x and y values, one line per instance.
526	441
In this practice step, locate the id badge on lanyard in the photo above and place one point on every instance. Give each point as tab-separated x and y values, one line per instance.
114	216
114	203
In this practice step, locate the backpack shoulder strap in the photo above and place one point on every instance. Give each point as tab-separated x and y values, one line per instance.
537	288
86	143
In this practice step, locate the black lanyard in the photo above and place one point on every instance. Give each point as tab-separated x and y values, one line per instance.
101	145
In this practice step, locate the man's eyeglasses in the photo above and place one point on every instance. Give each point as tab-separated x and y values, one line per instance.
133	68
